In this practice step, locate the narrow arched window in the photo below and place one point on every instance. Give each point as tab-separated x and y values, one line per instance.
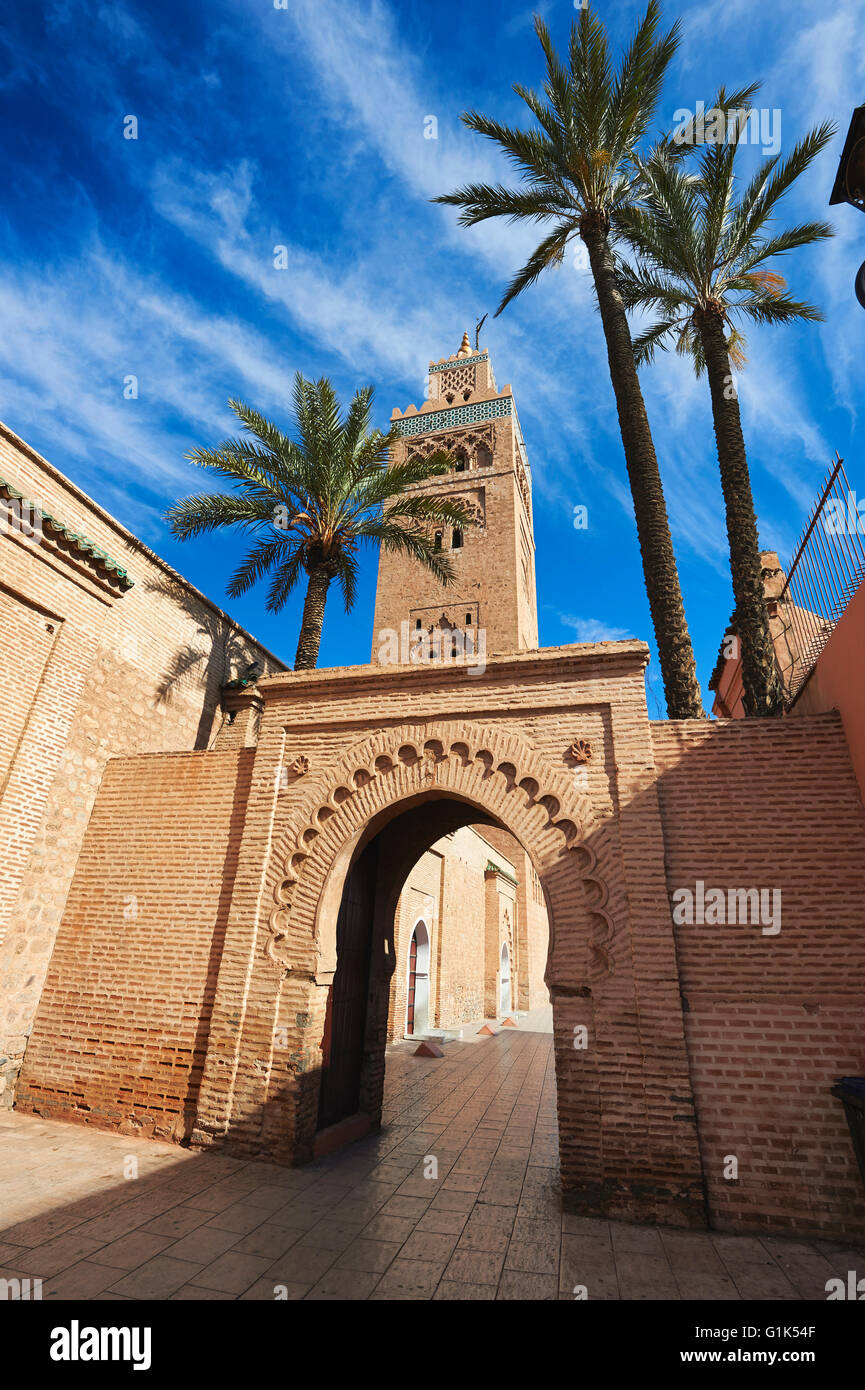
483	456
437	543
460	463
458	538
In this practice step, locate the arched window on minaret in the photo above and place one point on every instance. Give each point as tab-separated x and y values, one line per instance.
437	543
484	456
462	462
458	538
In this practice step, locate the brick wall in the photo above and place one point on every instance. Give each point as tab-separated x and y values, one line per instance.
94	670
122	1025
771	1020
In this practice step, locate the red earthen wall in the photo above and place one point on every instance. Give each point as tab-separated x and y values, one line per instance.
771	1020
122	1025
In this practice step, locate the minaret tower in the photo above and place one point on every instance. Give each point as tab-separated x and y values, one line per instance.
494	590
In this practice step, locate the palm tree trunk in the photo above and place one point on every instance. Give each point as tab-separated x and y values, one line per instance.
678	668
762	689
309	641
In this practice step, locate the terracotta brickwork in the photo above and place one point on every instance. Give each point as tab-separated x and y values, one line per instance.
121	1031
107	651
771	1019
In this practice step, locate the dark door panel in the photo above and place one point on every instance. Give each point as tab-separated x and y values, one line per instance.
347	1004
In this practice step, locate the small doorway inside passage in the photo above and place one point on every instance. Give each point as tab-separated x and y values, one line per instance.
417	994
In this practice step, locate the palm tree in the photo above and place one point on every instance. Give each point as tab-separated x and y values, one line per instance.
314	501
576	170
701	255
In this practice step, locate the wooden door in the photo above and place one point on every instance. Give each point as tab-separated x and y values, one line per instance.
345	1026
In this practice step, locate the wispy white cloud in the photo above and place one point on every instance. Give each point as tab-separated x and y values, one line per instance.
592	629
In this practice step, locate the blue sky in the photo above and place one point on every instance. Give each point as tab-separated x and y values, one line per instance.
304	127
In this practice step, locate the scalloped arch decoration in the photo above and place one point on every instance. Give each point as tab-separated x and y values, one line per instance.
493	769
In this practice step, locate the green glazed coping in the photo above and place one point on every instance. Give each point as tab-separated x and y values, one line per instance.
496	869
81	543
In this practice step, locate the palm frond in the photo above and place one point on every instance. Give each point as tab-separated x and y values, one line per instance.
480	201
203	512
551	251
415	545
652	338
288	575
270	551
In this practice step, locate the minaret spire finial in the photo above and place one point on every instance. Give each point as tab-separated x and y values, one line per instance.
465	347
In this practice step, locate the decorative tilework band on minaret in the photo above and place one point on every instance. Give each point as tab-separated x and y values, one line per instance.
492	602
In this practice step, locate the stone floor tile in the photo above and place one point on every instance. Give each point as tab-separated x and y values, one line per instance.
343	1284
382	1227
57	1255
131	1251
408	1279
80	1281
232	1272
448	1223
268	1290
475	1266
204	1245
518	1285
240	1218
429	1245
158	1279
301	1265
177	1222
331	1235
267	1239
643	1239
454	1290
369	1255
412	1208
193	1293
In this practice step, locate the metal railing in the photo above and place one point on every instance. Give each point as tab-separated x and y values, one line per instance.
824	574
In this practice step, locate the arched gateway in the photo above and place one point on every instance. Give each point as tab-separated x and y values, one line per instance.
325	793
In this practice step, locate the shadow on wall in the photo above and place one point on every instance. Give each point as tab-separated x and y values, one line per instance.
224	651
764	840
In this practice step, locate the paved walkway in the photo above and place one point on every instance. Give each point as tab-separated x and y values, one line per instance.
100	1216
